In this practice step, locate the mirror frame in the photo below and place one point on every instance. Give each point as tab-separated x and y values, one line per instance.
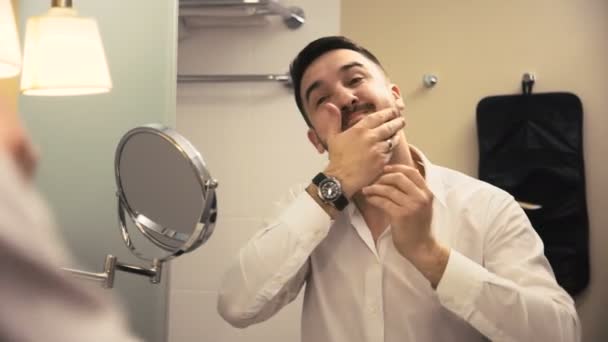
204	227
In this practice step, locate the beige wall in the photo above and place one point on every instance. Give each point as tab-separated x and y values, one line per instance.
480	48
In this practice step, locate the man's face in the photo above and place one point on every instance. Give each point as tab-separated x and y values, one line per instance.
349	81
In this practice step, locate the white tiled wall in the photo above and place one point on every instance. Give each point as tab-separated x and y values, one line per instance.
254	142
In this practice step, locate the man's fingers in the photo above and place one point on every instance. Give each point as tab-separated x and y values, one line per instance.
384	204
411	173
399	181
335	119
386	192
389	128
405	179
390	144
378	118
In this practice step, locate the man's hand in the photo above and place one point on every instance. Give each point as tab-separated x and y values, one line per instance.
402	193
15	141
357	155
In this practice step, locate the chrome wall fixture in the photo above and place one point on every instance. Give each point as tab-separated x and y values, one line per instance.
527	83
430	80
293	17
61	3
111	264
281	78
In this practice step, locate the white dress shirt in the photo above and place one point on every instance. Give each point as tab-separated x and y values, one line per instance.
497	284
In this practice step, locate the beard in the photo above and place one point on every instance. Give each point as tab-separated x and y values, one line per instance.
363	108
347	113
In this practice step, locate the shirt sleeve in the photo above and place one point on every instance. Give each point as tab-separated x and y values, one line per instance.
513	296
273	266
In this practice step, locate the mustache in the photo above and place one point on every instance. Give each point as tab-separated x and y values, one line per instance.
347	111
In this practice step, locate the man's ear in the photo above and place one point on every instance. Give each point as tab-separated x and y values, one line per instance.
397	96
315	141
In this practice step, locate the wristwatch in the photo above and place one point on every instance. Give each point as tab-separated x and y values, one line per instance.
329	190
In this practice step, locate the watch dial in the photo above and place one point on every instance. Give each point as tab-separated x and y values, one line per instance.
330	191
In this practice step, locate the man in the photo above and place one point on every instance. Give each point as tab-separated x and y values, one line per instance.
39	301
390	246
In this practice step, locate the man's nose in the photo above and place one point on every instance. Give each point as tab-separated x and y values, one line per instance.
346	100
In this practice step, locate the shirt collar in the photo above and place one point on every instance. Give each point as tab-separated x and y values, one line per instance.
432	175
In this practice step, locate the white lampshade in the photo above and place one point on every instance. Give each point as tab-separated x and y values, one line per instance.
63	55
10	52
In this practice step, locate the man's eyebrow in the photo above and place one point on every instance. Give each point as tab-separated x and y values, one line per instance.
350	65
317	84
313	86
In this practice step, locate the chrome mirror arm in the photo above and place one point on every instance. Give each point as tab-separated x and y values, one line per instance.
112	264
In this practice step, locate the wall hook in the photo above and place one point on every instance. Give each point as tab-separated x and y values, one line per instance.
527	83
430	80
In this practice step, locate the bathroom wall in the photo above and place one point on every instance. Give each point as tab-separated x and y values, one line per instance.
254	142
78	135
479	48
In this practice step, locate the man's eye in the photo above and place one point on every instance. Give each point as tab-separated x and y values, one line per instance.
355	80
321	100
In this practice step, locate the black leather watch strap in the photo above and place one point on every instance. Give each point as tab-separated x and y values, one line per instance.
341	202
318	178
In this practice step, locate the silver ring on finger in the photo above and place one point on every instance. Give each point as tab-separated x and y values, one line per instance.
390	145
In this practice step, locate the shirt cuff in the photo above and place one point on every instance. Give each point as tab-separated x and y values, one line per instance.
306	219
461	283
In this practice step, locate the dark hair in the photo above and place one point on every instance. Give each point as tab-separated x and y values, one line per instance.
314	50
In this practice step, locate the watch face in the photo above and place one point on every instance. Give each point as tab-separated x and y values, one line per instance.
330	189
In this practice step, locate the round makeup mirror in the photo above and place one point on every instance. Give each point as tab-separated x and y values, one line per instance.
165	191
